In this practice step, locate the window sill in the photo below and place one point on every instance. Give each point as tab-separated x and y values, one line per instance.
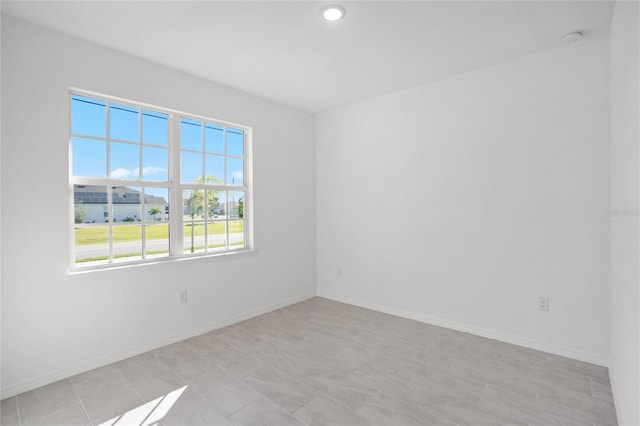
145	266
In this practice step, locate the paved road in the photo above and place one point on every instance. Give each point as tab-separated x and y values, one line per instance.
95	250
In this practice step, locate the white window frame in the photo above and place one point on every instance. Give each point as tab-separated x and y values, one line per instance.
174	184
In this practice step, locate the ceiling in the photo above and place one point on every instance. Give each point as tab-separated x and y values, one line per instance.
285	51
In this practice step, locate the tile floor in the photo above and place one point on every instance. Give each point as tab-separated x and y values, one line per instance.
321	362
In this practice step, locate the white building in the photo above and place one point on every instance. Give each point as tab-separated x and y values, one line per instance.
92	201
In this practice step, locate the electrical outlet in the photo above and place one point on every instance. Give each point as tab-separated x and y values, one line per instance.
183	296
543	304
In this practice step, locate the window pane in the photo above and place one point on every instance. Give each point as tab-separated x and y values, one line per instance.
155	128
235	142
213	139
236	234
124	123
235	171
215	203
125	161
216	236
127	242
156	204
235	205
92	244
214	169
193	237
126	204
193	204
157	240
89	157
88	116
191	167
90	203
155	163
126	219
191	134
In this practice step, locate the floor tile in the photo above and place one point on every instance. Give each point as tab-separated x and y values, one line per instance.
243	340
46	400
189	408
408	353
286	320
561	395
428	339
444	381
225	392
571	416
391	361
339	387
211	345
383	410
601	391
280	388
324	362
525	409
473	353
602	411
549	378
9	412
73	415
263	413
292	363
360	336
457	410
182	359
340	355
440	360
413	392
578	367
322	411
224	355
149	377
105	393
495	374
505	349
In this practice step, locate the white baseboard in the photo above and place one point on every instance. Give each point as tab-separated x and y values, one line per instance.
564	351
78	368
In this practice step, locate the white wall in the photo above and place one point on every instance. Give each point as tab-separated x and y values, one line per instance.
625	302
462	201
54	325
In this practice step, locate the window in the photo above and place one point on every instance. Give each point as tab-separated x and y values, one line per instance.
153	183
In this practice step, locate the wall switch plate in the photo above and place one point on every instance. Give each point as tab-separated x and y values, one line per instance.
543	304
183	296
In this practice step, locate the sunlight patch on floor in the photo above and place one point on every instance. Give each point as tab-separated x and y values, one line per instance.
148	414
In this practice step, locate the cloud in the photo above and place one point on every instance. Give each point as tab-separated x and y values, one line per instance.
122	173
150	170
237	174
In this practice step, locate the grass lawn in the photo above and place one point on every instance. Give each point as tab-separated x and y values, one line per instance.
100	235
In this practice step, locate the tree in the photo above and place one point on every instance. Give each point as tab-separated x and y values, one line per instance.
154	211
240	207
80	214
194	203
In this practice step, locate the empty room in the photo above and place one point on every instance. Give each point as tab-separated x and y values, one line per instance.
320	213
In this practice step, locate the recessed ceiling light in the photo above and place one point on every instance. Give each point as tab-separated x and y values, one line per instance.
572	37
333	12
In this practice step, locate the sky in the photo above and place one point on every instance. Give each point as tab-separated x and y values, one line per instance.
200	154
